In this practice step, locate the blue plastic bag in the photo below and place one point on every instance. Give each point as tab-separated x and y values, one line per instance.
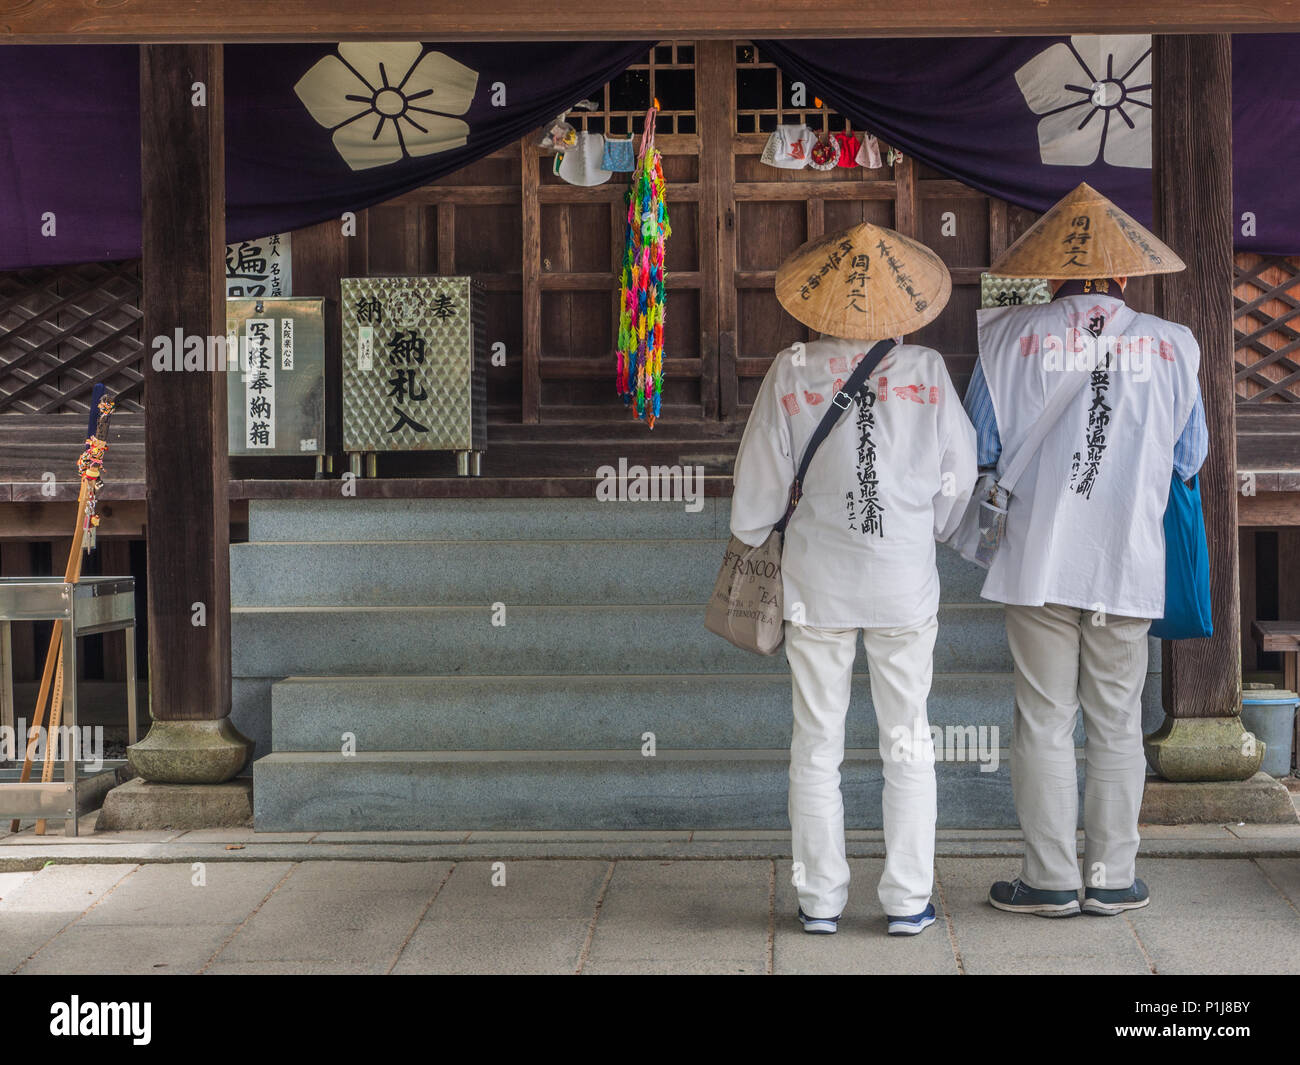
1187	566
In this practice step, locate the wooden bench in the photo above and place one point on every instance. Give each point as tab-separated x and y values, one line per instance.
1284	637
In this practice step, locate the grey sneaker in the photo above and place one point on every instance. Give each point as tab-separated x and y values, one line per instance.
1107	902
1019	897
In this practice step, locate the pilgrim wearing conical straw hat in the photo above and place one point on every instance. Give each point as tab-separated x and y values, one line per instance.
1084	235
864	283
856	455
1101	412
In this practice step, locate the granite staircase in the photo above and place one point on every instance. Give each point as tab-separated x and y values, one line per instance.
541	664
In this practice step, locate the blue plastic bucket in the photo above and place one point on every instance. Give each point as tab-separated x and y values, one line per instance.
1270	714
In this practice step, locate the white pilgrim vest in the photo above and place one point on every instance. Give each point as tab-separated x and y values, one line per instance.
1085	523
896	471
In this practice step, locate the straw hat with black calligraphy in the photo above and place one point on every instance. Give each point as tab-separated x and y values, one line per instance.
1085	235
864	283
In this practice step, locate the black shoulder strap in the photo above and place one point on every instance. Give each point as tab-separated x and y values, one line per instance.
839	404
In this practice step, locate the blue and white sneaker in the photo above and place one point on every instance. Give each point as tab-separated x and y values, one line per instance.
1016	896
1109	902
912	926
819	926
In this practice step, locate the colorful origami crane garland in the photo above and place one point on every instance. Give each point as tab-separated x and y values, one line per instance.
643	294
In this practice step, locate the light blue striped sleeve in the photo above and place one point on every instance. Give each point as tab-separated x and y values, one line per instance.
979	407
1194	443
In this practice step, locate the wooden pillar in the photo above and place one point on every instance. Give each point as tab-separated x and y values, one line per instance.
1192	146
186	467
1202	737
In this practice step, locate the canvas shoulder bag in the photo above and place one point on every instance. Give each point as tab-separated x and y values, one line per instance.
747	606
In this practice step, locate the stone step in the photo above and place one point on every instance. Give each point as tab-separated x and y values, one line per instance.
589	713
594	713
609	790
545	640
519	572
355	518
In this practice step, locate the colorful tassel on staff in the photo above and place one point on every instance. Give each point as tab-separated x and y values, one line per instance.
643	293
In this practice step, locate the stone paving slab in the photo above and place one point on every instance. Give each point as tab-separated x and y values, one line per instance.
1283	875
128	950
531	946
707	916
390	837
35	912
624	916
1212	890
362	912
236	835
176	895
55	837
11	883
1247	831
1224	945
508	917
991	941
292	968
677	967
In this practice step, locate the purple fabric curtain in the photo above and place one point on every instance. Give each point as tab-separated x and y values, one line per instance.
1027	119
311	131
316	130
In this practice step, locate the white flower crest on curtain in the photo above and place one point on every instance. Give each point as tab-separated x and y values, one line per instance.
1095	98
387	102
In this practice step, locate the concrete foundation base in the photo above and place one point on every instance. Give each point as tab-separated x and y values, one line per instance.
1261	800
1193	749
190	752
144	804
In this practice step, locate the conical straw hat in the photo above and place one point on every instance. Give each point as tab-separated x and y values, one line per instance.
1085	235
864	283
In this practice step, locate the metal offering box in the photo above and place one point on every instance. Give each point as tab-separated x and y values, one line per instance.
997	291
277	395
414	367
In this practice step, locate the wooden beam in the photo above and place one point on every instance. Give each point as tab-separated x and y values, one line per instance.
1269	510
182	156
715	74
157	21
906	199
1192	176
531	268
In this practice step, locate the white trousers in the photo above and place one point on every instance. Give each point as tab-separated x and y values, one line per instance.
1068	659
900	661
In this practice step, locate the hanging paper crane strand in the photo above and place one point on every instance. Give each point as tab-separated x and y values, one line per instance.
643	292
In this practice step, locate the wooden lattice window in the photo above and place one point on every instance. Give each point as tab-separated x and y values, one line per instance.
65	329
573	247
1266	302
764	99
667	75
